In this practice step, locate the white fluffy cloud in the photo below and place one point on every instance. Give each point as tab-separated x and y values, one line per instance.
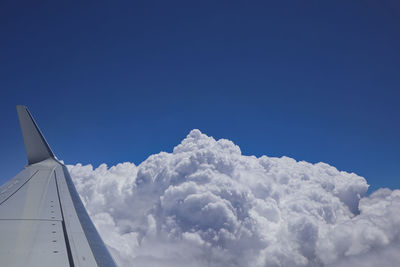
206	204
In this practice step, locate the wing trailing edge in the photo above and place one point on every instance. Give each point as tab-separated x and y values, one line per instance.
36	146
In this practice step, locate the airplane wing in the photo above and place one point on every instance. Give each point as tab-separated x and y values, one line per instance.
42	219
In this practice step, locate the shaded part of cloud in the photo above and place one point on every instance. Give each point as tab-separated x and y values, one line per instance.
206	204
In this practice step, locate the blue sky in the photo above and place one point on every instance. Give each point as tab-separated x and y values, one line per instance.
118	81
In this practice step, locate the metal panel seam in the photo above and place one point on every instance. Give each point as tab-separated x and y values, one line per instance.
70	258
19	187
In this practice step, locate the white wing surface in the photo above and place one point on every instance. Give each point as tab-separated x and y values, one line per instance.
42	219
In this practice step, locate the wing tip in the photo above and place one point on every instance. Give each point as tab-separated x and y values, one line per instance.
36	146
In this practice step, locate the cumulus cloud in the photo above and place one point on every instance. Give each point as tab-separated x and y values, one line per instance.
206	204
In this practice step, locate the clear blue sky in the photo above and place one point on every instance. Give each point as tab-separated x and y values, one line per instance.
119	81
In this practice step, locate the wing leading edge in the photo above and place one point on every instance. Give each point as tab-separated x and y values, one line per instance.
42	219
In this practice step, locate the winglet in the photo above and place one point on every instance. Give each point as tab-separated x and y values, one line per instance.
36	146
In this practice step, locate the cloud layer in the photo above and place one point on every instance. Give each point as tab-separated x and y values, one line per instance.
206	204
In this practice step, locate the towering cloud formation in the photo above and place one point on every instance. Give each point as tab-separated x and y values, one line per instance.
206	204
